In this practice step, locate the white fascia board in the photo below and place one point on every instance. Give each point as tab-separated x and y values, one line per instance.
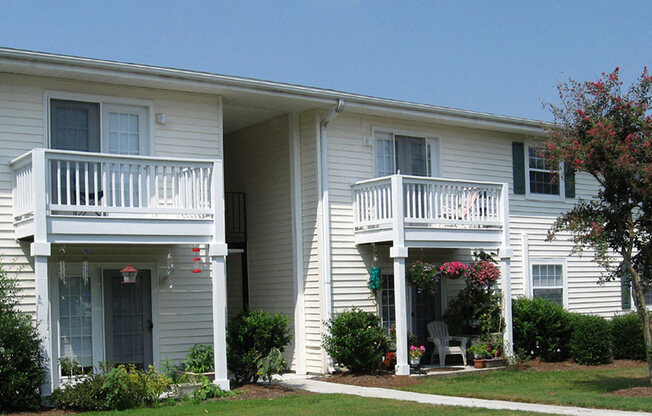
46	64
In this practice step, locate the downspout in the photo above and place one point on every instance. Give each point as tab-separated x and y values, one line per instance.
325	254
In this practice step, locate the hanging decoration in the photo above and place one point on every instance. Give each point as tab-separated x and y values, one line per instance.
129	274
196	260
62	264
375	275
84	266
170	264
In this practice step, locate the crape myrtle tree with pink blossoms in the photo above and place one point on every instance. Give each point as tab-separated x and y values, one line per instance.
606	132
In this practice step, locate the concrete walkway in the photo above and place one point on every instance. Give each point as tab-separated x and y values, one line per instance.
326	387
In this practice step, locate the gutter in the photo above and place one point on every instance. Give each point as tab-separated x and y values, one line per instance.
63	66
325	253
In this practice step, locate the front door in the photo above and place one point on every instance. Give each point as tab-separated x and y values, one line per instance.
426	307
128	319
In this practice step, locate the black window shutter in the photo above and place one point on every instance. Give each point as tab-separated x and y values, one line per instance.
625	290
518	165
569	176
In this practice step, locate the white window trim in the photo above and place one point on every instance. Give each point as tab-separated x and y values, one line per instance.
545	197
432	140
102	100
549	261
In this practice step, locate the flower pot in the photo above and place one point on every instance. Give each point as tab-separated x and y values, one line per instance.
495	362
415	361
478	363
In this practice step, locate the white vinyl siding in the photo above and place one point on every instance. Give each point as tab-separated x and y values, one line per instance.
258	164
192	131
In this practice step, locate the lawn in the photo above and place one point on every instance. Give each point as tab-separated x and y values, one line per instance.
584	388
315	404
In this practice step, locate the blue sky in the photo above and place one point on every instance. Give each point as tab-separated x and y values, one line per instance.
499	57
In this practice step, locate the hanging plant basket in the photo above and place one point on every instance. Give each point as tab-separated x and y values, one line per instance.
375	279
454	270
424	276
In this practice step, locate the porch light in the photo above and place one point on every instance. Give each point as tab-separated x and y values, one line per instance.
129	274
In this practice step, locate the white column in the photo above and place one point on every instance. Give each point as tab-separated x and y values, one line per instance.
506	266
400	307
41	252
218	279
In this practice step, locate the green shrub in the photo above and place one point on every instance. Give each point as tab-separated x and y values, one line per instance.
118	388
590	342
200	359
627	337
21	373
541	329
208	390
250	338
356	340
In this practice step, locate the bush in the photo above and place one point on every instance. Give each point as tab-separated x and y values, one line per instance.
590	342
250	338
117	388
627	337
356	340
541	329
200	359
21	373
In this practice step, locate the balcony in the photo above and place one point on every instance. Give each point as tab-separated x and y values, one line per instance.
79	197
430	212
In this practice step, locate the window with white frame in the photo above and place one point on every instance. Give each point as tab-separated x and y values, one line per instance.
542	179
548	281
75	326
409	155
387	311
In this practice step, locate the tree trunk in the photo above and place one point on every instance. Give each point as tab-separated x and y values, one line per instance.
643	314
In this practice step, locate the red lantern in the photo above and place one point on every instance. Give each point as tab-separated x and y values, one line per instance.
196	260
129	274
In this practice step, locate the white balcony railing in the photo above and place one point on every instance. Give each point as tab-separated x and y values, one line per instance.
99	184
428	202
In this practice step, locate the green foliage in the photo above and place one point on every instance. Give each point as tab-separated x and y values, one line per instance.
200	359
118	388
208	390
250	337
21	373
590	342
356	340
273	363
541	329
475	310
481	350
627	336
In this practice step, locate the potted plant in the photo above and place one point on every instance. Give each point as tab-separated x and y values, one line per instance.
200	362
415	354
481	351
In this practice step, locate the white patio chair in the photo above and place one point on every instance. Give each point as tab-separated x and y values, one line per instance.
439	336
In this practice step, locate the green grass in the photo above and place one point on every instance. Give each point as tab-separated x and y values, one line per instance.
584	388
317	404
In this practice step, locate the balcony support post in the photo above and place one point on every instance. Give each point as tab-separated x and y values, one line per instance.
399	253
506	253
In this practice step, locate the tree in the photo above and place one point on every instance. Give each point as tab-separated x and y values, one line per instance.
606	133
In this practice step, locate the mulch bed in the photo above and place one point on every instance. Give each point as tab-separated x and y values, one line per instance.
539	365
371	380
633	392
49	412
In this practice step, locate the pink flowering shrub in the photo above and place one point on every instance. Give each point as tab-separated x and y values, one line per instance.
483	274
416	352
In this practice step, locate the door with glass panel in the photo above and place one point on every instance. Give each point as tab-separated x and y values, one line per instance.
75	326
408	155
128	319
125	130
74	125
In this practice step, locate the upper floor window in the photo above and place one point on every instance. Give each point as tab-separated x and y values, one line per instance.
548	281
543	178
409	155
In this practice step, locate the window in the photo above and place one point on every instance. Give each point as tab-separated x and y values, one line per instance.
408	155
75	326
387	311
647	295
548	282
542	179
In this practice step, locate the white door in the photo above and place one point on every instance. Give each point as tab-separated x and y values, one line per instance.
125	132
